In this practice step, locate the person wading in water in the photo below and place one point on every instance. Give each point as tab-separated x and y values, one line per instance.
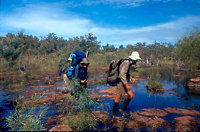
122	84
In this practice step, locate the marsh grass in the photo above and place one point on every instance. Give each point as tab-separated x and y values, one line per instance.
24	118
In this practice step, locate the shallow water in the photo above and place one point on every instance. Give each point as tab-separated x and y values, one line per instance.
178	97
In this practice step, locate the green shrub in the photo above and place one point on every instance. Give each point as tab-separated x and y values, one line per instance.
25	118
79	116
82	121
154	87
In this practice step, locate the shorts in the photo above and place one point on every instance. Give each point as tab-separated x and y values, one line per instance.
121	89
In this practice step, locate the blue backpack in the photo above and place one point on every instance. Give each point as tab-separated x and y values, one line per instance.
76	57
70	72
79	56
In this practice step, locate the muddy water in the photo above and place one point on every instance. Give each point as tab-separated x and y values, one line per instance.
175	96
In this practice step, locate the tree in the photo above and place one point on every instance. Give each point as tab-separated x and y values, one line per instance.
10	48
188	50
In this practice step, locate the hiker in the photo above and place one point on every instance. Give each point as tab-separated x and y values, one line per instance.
82	72
75	70
122	84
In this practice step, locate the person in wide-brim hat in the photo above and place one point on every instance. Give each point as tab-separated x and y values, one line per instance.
82	73
122	83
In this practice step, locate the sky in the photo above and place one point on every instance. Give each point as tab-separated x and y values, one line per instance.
118	22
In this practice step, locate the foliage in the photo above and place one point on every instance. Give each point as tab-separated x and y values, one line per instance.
10	48
188	50
154	86
79	116
15	48
25	118
82	121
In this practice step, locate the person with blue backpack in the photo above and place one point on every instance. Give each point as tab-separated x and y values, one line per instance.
76	70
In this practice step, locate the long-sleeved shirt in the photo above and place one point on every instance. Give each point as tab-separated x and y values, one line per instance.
124	71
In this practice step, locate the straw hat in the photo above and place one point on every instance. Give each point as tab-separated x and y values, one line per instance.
135	56
84	61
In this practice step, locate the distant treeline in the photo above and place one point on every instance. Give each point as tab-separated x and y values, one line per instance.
185	53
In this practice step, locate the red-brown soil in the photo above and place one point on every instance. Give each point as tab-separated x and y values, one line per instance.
50	120
43	86
100	115
177	75
195	82
132	124
186	123
182	111
96	81
111	90
109	96
47	98
152	122
60	128
153	112
118	123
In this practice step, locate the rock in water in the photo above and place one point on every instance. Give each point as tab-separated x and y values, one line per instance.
153	112
182	111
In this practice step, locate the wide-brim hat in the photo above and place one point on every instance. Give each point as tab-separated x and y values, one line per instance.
84	61
135	56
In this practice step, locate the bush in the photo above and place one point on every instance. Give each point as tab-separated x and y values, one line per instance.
154	87
25	118
79	115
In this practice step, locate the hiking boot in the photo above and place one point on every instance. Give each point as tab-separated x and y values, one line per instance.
116	109
125	104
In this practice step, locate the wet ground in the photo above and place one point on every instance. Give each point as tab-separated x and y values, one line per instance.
168	110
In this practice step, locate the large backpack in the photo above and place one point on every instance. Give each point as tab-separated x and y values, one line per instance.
79	56
113	72
76	57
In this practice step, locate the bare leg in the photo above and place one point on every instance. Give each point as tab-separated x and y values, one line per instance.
66	83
